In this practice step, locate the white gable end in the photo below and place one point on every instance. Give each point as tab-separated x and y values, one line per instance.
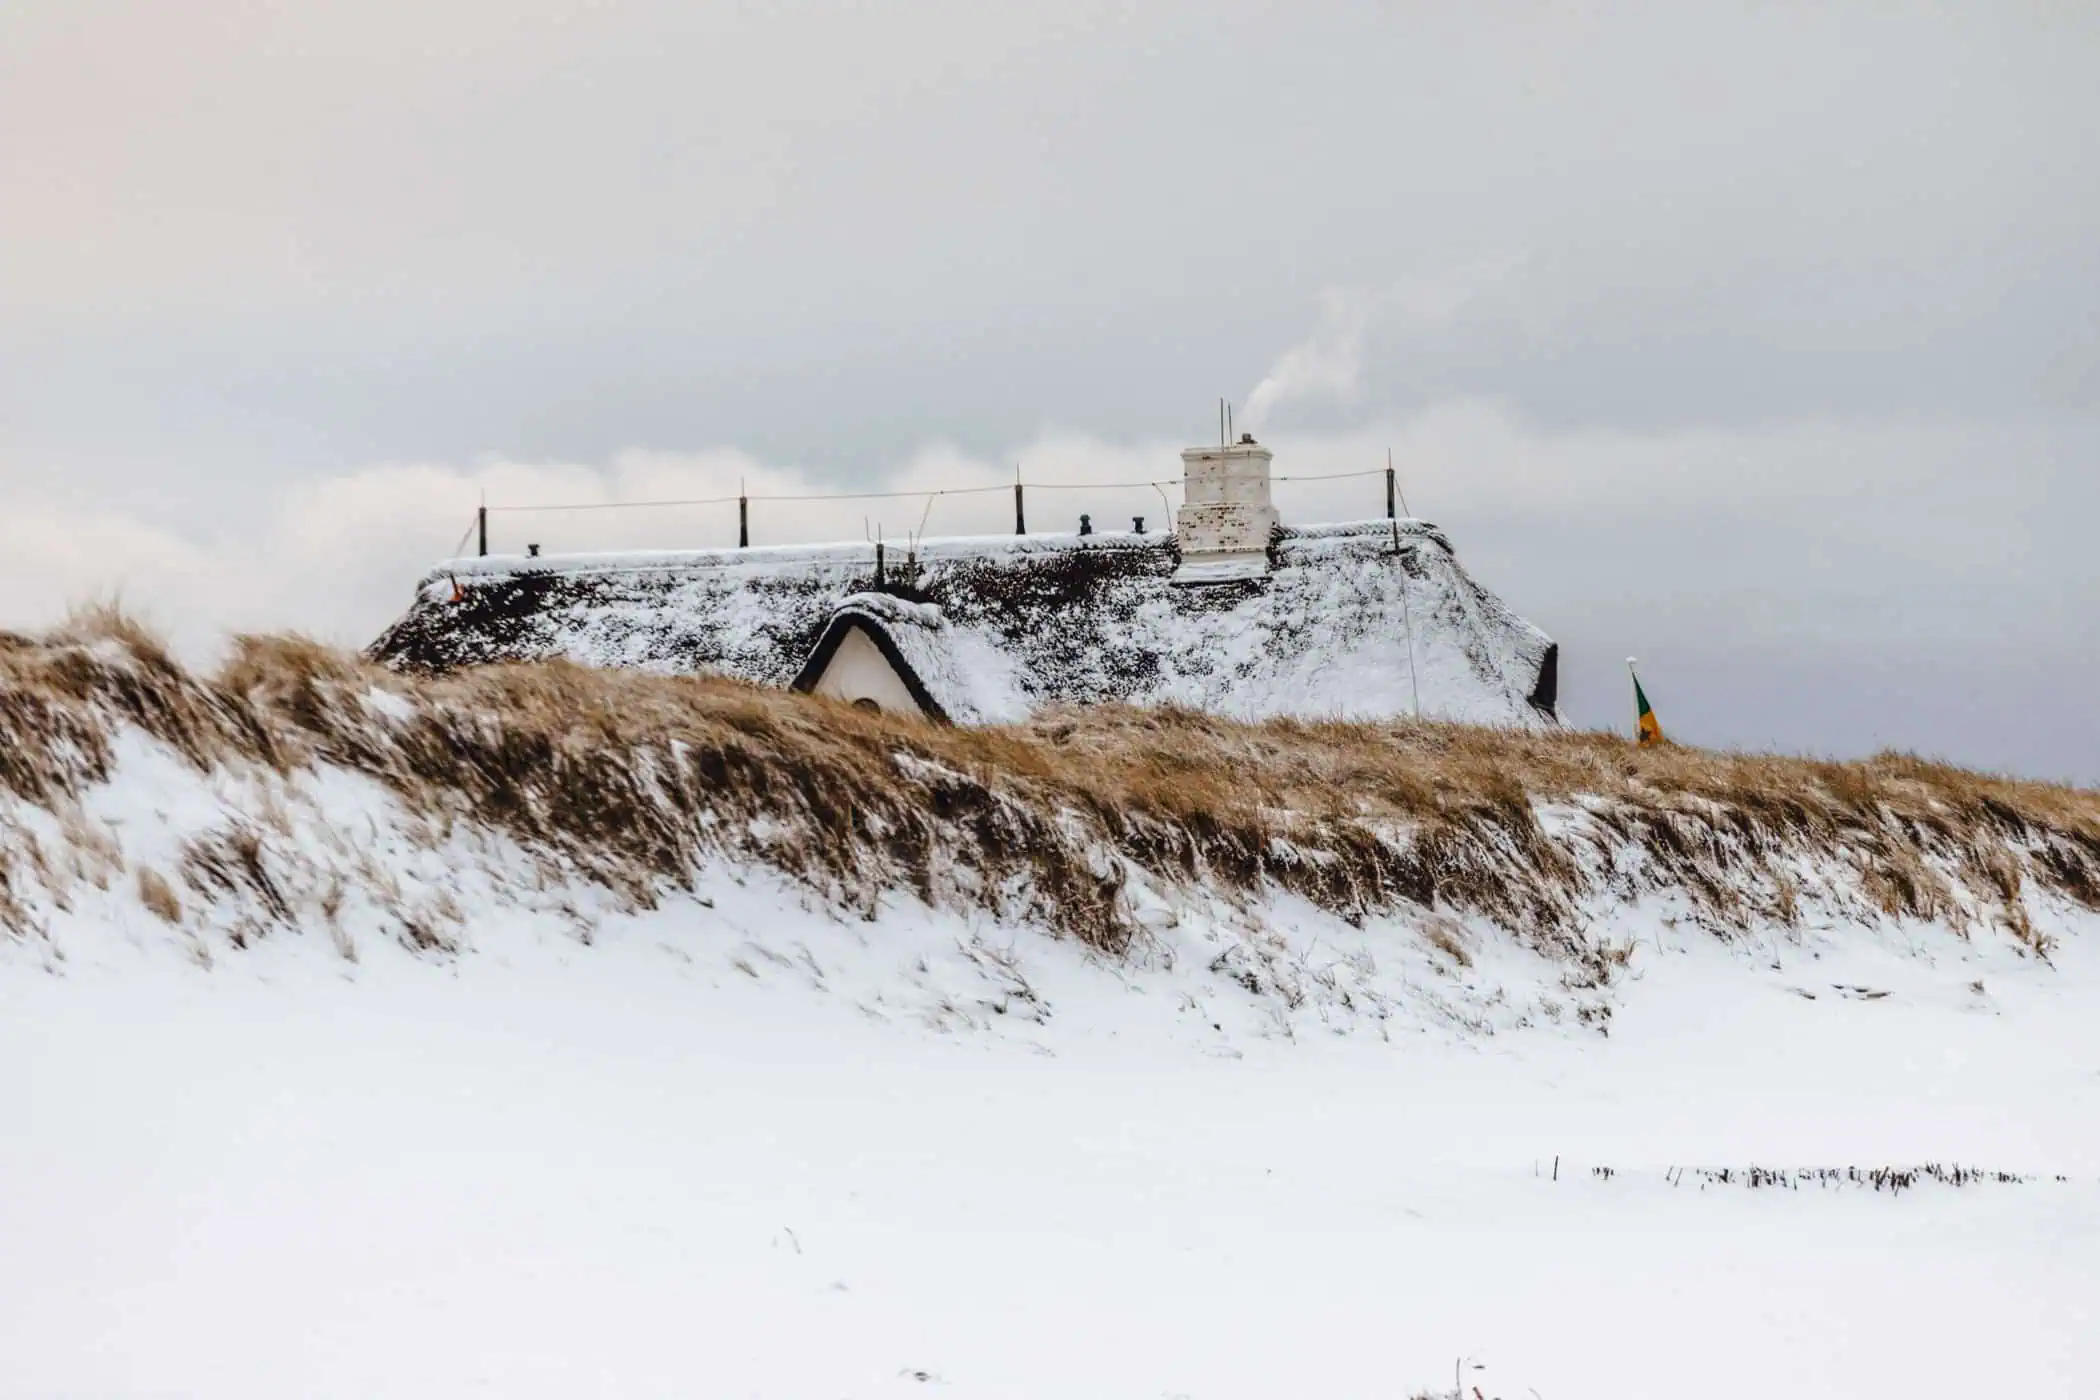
859	671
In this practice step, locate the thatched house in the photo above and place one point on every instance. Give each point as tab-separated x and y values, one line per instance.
1233	612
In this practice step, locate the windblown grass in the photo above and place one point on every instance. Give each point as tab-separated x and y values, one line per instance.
637	780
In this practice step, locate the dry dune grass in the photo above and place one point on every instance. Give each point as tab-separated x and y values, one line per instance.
635	780
158	896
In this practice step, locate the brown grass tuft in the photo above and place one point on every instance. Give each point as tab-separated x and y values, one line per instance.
158	895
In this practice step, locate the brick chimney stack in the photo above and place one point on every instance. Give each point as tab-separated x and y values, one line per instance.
1226	521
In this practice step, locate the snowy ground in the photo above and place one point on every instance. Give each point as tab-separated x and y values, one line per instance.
750	1151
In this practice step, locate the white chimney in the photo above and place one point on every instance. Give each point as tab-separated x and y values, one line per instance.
1224	525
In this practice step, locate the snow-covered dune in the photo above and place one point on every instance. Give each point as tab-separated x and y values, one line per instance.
551	1033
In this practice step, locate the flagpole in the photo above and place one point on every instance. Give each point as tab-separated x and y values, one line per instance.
1647	729
1631	663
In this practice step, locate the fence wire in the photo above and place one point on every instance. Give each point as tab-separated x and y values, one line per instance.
929	494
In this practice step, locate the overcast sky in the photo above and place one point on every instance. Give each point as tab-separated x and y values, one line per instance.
1760	340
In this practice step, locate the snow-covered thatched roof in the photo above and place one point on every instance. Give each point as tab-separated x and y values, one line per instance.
1343	617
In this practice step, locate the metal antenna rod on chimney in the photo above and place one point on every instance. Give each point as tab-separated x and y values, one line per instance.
1228	425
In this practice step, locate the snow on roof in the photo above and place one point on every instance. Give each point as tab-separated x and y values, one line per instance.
954	673
1018	622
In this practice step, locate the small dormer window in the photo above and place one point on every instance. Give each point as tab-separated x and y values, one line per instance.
864	703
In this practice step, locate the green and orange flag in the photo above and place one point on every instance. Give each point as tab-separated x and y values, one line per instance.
1647	729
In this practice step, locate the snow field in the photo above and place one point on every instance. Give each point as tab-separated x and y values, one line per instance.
637	1169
